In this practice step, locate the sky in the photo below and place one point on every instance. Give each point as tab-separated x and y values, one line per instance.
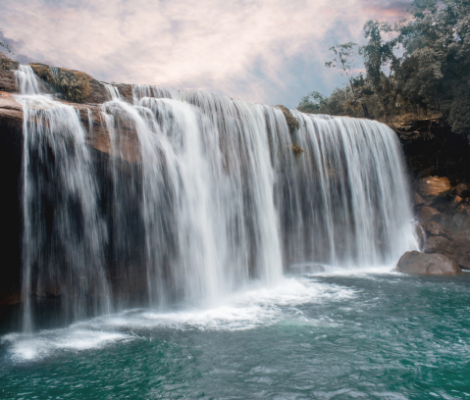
265	51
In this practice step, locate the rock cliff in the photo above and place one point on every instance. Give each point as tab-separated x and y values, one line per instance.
439	167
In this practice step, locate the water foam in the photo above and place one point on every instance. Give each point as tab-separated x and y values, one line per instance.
250	309
33	347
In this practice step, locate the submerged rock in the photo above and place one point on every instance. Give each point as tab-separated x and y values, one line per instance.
414	262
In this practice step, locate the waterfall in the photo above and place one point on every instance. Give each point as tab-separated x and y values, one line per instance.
201	196
64	236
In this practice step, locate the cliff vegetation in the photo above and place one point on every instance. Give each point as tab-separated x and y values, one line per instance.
418	69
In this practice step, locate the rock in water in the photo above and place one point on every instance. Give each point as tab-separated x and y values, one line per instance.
414	262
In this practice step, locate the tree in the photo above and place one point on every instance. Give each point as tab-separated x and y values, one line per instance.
344	55
432	73
314	103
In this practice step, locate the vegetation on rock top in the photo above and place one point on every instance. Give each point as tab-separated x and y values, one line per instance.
421	66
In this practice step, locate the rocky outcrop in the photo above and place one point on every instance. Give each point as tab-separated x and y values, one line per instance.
432	149
10	109
75	86
414	262
443	212
7	74
439	165
98	136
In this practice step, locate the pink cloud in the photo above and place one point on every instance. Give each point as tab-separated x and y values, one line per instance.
209	44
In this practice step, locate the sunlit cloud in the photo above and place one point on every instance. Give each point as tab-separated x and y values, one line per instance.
263	51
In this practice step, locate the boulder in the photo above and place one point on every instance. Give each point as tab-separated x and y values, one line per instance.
418	201
455	202
451	249
425	213
434	186
463	239
463	190
414	262
445	218
435	229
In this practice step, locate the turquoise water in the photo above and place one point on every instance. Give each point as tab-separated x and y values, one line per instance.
332	336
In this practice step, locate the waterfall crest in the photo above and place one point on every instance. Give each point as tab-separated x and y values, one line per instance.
215	198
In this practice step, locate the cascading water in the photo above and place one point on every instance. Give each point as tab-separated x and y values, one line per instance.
201	195
64	236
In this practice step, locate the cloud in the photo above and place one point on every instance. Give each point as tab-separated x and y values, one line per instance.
264	51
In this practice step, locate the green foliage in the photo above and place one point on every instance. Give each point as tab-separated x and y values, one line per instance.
431	74
314	103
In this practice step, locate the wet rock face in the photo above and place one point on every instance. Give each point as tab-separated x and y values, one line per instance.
414	262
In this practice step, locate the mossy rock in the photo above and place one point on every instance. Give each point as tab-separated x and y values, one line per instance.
298	151
74	85
292	122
